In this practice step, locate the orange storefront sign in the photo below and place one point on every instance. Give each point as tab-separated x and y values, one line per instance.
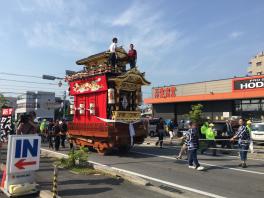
242	88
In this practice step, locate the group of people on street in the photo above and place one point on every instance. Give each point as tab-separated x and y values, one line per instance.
54	133
132	54
191	141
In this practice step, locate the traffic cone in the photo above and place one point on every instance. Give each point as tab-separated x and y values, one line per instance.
3	178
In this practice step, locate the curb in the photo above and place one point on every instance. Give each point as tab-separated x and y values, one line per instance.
105	169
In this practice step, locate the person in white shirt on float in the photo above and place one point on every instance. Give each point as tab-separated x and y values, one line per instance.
112	49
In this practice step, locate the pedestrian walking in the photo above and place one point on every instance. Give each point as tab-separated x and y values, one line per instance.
161	132
243	137
132	56
210	134
56	132
50	134
63	130
170	129
192	137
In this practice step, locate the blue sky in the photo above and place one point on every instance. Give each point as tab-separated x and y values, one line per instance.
177	41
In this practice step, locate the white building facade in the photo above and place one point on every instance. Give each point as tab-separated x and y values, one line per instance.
43	103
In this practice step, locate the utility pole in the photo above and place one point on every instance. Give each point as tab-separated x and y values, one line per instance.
64	104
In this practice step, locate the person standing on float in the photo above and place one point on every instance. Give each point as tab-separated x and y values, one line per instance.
112	50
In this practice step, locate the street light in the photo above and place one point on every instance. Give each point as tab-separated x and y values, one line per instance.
49	77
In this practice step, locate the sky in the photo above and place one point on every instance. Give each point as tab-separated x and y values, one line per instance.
178	41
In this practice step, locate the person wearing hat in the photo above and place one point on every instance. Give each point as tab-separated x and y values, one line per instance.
210	139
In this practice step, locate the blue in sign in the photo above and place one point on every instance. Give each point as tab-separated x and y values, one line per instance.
24	147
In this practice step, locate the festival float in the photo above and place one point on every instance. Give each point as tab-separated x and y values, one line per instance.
106	99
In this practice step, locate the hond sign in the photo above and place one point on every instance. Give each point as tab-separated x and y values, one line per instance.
254	82
24	154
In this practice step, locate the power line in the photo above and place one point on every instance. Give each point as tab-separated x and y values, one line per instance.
29	82
29	87
24	75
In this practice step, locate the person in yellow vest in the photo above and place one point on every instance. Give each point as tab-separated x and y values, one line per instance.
210	139
203	144
251	147
204	128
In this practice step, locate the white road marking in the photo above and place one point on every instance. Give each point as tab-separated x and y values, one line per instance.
235	169
161	181
150	178
175	147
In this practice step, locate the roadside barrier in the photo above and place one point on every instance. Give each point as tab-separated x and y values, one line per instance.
55	182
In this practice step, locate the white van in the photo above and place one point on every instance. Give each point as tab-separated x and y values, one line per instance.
257	133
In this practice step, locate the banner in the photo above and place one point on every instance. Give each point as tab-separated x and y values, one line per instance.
6	124
93	84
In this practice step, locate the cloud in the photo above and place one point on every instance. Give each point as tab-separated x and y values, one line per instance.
145	25
235	34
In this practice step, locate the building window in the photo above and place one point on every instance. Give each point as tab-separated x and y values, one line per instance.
258	64
259	73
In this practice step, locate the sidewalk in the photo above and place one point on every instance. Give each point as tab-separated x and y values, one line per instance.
81	186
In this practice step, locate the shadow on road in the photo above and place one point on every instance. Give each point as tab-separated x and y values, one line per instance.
83	191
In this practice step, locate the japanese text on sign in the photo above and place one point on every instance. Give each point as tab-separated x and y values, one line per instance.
164	92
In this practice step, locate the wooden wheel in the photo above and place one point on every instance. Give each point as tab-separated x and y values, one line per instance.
102	148
102	151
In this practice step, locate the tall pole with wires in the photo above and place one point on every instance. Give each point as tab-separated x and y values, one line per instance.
64	104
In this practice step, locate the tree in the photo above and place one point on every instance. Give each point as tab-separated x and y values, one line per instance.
3	101
195	114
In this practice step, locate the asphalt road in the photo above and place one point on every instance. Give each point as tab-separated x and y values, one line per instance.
82	186
222	177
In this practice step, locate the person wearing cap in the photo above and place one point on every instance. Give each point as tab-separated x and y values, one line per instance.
243	137
210	139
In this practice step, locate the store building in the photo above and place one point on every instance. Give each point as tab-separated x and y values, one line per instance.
221	99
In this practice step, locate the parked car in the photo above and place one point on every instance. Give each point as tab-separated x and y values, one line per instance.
153	127
257	133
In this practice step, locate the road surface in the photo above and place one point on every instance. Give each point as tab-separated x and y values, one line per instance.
222	177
